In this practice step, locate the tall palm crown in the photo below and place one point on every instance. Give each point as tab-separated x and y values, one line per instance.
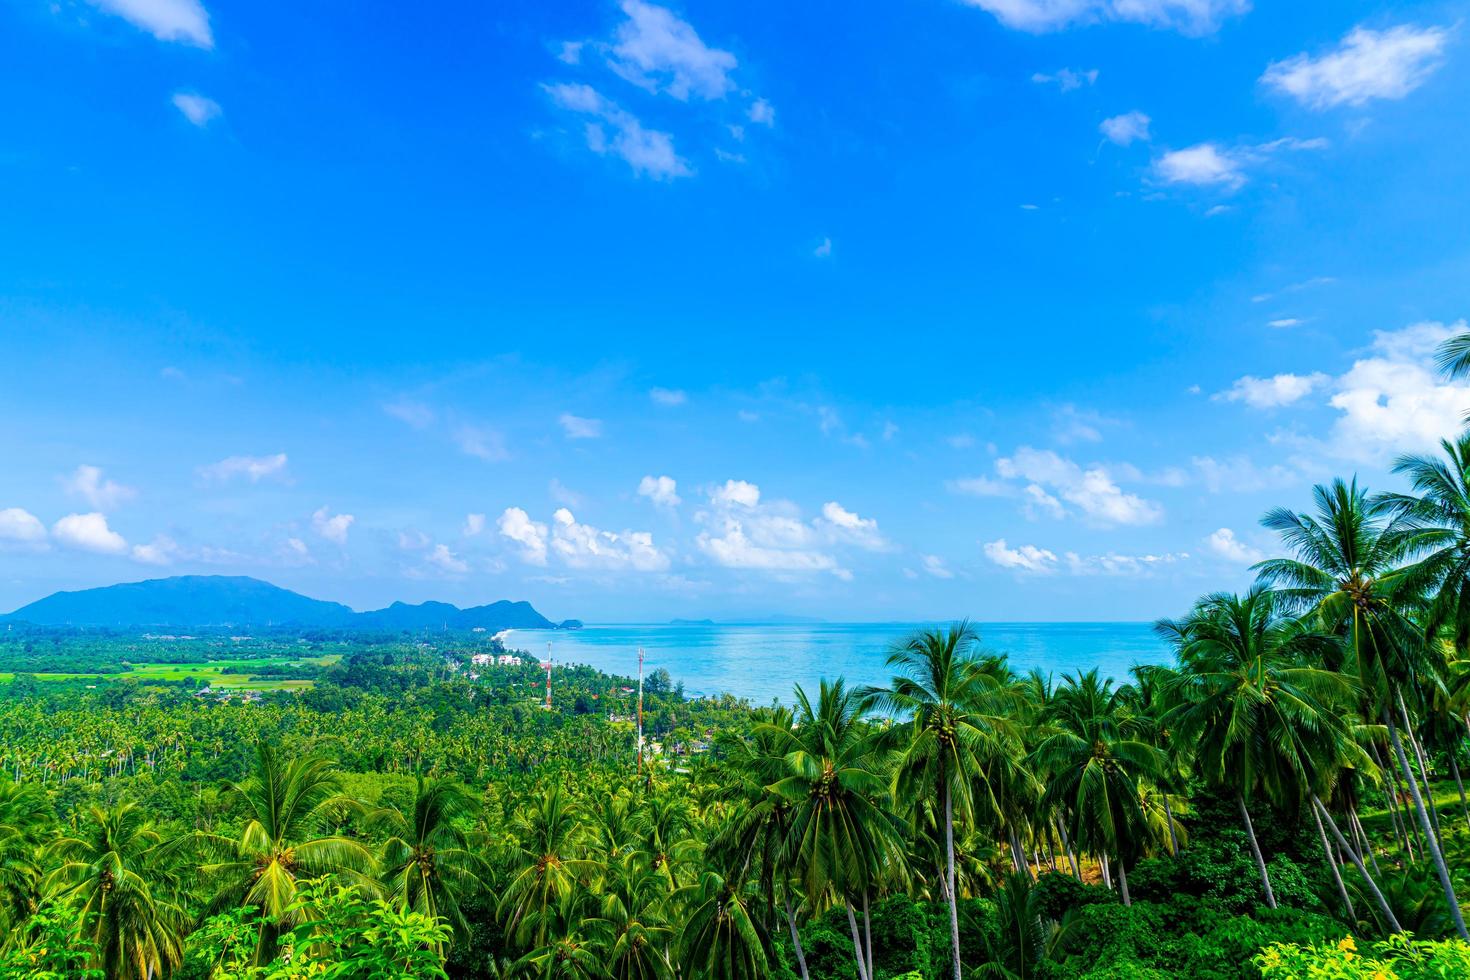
548	866
1260	715
1351	568
26	822
290	809
1439	517
113	870
1094	760
427	863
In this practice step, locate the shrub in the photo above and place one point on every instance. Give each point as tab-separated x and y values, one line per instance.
1396	958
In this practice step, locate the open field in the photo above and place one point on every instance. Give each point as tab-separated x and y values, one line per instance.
232	674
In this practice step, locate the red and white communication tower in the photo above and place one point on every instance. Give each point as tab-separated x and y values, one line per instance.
640	709
546	666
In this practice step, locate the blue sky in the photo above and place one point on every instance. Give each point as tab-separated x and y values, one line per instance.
1015	309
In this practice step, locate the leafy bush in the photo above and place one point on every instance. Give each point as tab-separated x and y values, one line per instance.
1399	957
1056	894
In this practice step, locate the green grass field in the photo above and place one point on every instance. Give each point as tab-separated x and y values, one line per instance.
232	675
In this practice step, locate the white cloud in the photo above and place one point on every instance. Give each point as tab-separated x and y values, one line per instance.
297	551
1066	79
1210	164
473	525
1071	424
842	525
333	527
416	414
734	549
252	468
1127	128
980	486
571	52
736	492
481	443
1225	544
1238	474
446	561
935	566
1039	502
1026	558
185	21
1394	400
21	526
1365	65
516	525
1285	323
762	113
1190	17
823	249
1091	490
576	427
584	546
1273	392
89	532
1113	563
161	551
656	50
102	494
648	151
196	108
667	397
661	490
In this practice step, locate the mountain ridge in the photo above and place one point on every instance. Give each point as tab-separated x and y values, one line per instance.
198	601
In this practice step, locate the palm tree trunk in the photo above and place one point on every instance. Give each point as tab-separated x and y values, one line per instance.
1071	855
1357	825
1431	841
954	909
1455	771
1169	816
1107	872
1123	881
1347	903
1392	797
1383	906
795	937
1250	831
1423	769
857	942
868	934
1400	773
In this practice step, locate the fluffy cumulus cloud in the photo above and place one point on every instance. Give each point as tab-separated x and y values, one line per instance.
185	21
1273	392
1191	17
583	546
251	468
577	427
19	526
661	490
655	49
612	130
1225	544
441	558
332	527
1394	400
1126	129
88	483
1026	558
844	526
162	550
1365	65
1053	482
196	108
89	532
742	531
516	525
1214	165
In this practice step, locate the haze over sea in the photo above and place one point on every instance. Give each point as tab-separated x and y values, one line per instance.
765	661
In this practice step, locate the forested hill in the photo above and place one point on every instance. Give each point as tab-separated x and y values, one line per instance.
198	601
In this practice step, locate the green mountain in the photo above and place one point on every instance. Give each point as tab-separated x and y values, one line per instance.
199	601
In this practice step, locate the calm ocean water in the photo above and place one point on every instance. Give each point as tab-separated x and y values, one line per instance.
761	662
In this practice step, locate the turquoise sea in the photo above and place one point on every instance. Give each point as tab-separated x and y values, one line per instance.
761	662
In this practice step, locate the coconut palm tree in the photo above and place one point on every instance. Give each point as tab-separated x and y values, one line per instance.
114	872
721	940
944	701
1438	512
290	811
1093	763
1351	567
842	831
427	864
26	823
1264	720
631	924
548	866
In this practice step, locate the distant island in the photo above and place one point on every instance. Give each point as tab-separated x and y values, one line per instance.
206	601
